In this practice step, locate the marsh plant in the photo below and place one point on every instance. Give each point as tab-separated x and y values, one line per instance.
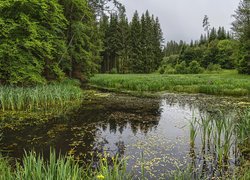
193	132
38	97
221	137
34	166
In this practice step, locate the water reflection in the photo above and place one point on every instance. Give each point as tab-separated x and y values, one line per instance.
128	126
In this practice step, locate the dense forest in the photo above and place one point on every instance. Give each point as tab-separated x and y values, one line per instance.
134	47
215	50
44	40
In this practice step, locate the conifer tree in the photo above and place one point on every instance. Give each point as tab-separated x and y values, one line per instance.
103	30
136	45
241	27
83	39
124	43
157	43
212	35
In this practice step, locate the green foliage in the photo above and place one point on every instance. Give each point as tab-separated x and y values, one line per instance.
42	40
173	48
228	53
113	71
131	47
214	67
181	68
172	60
217	47
195	68
241	27
31	42
82	39
167	69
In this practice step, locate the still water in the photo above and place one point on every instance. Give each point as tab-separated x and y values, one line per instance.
152	131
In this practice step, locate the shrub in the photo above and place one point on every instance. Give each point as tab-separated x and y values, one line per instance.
195	68
169	70
113	71
214	67
181	68
170	60
161	70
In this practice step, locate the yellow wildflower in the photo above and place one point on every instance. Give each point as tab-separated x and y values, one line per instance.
100	176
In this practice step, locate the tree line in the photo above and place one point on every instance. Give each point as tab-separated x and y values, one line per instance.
42	40
217	47
214	50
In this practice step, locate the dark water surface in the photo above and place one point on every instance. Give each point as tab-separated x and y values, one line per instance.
157	129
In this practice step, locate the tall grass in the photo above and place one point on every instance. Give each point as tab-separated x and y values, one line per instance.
35	167
39	97
221	136
216	84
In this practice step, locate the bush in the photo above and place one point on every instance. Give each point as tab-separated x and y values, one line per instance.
214	67
181	68
113	71
195	68
170	60
161	70
169	70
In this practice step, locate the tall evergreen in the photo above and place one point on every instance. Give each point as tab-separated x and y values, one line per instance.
241	27
113	42
157	43
124	44
136	45
221	34
103	30
212	35
82	39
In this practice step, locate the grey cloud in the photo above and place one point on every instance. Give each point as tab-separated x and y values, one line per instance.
182	19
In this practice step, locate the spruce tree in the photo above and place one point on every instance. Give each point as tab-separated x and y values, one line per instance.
241	27
124	43
83	41
136	45
157	44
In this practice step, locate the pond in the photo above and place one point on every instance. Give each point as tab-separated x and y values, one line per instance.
155	132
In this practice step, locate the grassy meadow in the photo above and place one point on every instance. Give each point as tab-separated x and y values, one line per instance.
227	82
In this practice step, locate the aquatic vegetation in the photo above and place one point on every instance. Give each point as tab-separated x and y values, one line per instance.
193	132
243	131
221	136
34	166
227	83
39	97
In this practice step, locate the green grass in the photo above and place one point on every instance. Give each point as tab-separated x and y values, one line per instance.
227	82
36	98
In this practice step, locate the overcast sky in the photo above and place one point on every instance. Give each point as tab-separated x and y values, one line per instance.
182	19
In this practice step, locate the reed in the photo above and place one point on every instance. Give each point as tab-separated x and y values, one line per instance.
193	132
243	131
39	97
34	166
